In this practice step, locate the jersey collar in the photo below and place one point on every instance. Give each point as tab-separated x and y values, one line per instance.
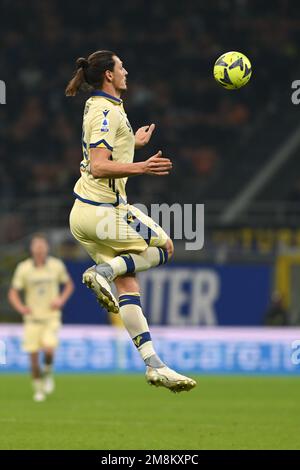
45	264
107	96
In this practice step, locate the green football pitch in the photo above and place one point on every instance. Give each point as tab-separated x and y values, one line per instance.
123	412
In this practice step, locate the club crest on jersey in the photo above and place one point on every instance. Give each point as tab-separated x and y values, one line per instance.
105	122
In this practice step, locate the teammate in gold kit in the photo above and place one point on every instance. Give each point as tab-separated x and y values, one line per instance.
119	238
40	277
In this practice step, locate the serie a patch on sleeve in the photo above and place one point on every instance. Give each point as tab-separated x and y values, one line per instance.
105	122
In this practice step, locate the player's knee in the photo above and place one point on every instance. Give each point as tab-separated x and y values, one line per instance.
170	248
48	350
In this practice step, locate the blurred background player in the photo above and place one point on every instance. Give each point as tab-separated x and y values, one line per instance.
119	237
40	277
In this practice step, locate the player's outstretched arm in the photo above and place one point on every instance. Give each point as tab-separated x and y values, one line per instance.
102	167
143	135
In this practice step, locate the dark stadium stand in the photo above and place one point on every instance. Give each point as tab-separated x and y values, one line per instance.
218	139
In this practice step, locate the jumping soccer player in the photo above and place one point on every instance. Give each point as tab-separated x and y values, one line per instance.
119	238
40	277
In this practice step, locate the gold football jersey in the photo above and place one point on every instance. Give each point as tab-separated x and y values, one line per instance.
105	124
40	284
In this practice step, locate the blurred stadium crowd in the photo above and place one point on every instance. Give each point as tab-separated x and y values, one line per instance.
169	54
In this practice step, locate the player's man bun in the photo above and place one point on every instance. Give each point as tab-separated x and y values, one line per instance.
79	78
82	63
90	72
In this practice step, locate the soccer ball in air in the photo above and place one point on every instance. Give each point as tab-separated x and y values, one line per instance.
232	70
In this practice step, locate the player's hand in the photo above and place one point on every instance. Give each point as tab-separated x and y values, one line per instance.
143	135
57	304
25	310
157	165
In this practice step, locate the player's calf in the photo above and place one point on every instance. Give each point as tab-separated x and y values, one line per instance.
130	263
48	379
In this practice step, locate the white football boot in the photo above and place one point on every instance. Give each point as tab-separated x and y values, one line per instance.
168	378
100	284
39	397
38	388
49	384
